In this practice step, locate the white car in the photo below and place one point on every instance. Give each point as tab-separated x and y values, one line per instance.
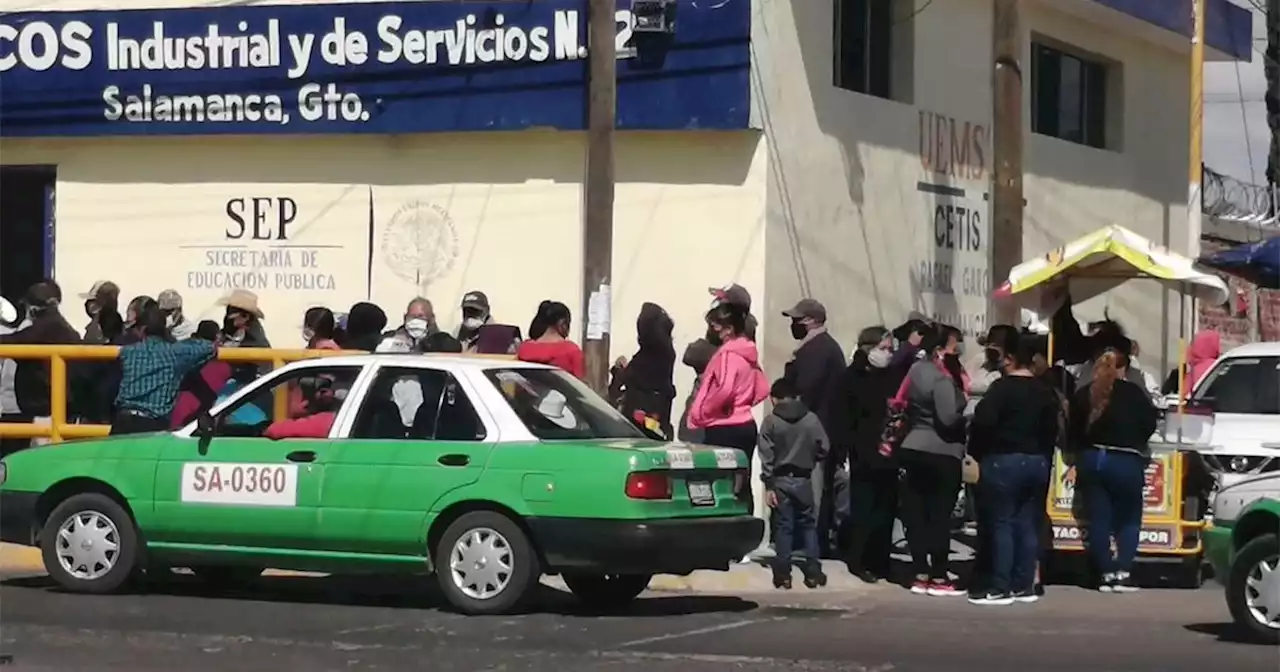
1233	416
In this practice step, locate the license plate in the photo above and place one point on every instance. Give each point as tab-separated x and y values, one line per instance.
701	494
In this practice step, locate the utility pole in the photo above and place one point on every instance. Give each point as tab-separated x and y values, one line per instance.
1271	67
598	187
1006	199
1195	191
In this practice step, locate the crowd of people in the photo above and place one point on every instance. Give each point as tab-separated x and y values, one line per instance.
896	431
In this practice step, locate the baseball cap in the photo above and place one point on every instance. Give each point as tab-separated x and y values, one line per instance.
101	288
733	294
169	299
810	308
477	300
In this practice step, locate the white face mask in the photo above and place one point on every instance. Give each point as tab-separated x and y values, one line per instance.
170	321
879	357
306	337
472	323
416	328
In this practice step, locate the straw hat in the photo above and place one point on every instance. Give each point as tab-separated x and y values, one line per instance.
243	299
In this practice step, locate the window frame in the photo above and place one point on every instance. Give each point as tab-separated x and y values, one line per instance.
873	75
346	424
282	375
1221	368
1096	75
400	371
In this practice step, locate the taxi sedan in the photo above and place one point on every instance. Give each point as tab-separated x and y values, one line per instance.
486	472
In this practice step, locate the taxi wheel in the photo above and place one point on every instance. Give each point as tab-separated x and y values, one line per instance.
89	544
486	565
1252	588
607	591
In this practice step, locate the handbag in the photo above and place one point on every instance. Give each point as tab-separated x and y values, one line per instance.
896	420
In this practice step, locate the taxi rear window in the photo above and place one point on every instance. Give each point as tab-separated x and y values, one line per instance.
554	405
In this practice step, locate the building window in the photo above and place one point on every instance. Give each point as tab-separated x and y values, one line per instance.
864	46
1068	96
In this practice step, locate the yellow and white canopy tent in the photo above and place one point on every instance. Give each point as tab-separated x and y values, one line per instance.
1102	261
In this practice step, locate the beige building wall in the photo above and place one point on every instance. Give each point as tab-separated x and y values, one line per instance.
847	222
388	218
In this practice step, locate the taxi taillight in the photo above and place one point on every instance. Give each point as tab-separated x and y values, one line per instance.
648	485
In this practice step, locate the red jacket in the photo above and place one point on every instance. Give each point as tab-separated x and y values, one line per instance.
310	427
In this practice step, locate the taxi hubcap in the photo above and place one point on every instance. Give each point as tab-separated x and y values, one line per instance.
1262	591
481	563
88	545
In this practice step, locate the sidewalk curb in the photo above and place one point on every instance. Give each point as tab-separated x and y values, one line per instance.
18	559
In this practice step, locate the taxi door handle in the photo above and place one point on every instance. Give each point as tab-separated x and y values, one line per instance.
454	460
301	456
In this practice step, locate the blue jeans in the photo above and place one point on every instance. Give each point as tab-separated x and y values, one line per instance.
1112	483
1012	501
797	516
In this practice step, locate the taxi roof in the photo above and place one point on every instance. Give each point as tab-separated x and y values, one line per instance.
453	363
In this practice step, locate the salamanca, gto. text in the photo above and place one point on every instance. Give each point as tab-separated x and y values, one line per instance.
150	106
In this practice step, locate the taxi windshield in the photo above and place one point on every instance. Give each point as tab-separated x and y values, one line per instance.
556	406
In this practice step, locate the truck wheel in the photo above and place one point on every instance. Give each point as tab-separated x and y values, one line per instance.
486	565
89	544
607	591
226	576
1253	589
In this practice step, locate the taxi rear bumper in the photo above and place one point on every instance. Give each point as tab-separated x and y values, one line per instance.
654	546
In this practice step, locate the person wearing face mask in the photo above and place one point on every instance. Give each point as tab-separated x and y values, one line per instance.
242	323
552	345
873	478
100	304
179	326
930	458
698	353
475	314
419	324
319	328
816	370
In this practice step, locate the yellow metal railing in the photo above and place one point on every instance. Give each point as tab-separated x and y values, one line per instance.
59	429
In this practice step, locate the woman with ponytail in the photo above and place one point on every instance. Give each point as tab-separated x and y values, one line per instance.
1110	426
550	342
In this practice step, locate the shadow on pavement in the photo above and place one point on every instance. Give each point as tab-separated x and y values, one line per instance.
397	592
1224	632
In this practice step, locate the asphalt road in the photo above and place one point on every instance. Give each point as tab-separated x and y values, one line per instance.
317	624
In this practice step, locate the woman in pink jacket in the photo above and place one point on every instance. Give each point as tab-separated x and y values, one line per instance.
732	384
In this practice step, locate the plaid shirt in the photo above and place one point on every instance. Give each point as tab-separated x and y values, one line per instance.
152	371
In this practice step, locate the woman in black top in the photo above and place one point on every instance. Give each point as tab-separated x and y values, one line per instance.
1111	423
1015	428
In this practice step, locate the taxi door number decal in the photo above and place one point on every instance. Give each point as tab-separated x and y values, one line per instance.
726	458
231	483
680	458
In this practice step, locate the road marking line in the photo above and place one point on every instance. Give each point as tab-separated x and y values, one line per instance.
699	631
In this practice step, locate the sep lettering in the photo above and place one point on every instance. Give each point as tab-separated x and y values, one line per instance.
254	212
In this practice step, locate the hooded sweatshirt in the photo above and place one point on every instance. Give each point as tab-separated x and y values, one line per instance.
365	323
731	386
1205	349
644	385
791	439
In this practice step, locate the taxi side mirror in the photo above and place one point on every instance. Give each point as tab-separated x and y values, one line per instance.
205	425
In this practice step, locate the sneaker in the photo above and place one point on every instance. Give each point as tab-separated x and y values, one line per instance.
992	599
864	575
1107	584
920	587
1123	583
1028	596
943	589
782	582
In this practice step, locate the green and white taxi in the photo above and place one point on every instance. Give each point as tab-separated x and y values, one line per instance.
486	472
1243	545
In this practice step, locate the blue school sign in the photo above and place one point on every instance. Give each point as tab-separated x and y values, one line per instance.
398	67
